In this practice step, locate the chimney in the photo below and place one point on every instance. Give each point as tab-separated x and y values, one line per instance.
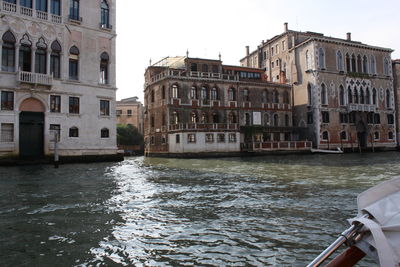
247	50
349	36
286	28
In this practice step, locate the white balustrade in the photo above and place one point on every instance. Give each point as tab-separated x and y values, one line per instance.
34	78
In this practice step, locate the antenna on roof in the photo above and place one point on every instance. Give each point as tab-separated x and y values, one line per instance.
187	53
219	56
150	62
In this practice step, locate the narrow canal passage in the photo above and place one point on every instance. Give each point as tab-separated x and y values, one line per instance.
281	210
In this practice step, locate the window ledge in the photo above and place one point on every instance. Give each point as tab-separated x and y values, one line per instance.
105	116
77	21
74	115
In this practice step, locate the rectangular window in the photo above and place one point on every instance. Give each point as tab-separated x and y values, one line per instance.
41	5
163	139
129	112
352	117
55	65
55	7
209	138
73	132
25	3
104	133
74	10
191	138
177	138
8	57
74	105
40	61
7	100
220	138
73	69
325	116
55	103
119	112
104	107
7	132
232	138
55	129
283	45
344	117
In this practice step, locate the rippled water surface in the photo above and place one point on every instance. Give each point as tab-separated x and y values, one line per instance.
281	210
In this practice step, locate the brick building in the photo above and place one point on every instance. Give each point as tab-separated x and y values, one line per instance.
342	89
396	82
57	76
200	106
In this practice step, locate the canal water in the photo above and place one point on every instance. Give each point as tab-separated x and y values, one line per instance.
260	211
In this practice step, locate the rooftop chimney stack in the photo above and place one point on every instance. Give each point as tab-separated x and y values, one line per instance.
349	36
247	50
286	27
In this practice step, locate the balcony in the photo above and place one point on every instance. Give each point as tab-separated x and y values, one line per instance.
34	78
29	12
192	74
361	107
203	126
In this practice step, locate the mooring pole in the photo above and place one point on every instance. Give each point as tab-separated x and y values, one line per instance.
56	159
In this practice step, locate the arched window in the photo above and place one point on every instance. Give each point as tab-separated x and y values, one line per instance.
359	63
215	117
321	58
390	118
8	52
204	68
246	95
55	61
25	54
74	10
324	100
348	63
266	119
203	93
40	56
365	64
343	135
204	117
247	118
325	136
73	132
193	92
341	96
367	97
231	94
286	97
390	135
174	91
308	60
104	59
353	63
105	133
376	135
349	95
386	66
193	117
74	63
232	117
339	61
356	100
309	94
276	120
214	93
275	96
175	118
287	120
105	15
373	65
374	99
388	99
362	96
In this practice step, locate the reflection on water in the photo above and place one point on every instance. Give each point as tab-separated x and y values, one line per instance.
281	210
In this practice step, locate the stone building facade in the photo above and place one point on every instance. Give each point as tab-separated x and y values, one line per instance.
199	106
57	77
343	89
130	111
396	82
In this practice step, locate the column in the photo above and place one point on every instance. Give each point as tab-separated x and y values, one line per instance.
1	51
48	62
33	52
17	46
62	60
48	8
34	9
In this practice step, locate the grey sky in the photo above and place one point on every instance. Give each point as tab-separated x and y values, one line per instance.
159	28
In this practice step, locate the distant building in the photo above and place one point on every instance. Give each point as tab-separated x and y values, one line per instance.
396	80
343	89
57	76
197	106
130	111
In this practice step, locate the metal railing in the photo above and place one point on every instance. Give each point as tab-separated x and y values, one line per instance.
276	145
29	12
203	126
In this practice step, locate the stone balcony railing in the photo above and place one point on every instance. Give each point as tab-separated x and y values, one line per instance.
34	78
276	145
29	12
203	126
362	107
192	74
